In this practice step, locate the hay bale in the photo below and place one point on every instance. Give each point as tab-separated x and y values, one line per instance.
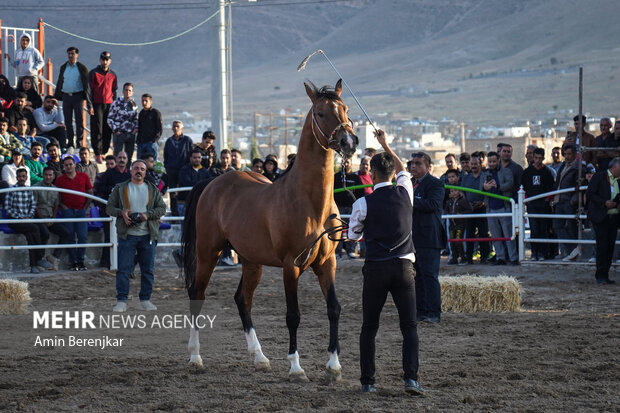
14	297
473	294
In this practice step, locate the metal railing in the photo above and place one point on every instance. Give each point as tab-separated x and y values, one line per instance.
523	215
113	244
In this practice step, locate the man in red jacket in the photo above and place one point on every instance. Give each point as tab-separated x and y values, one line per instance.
102	82
75	206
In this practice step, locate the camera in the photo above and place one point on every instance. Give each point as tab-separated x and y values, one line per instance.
489	178
135	218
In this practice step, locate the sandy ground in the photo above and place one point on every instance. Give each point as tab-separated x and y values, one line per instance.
560	353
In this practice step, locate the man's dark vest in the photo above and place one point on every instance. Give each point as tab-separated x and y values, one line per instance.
387	227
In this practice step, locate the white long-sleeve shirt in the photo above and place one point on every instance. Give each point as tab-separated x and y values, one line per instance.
360	209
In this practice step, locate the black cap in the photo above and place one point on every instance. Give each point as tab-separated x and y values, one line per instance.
16	150
105	55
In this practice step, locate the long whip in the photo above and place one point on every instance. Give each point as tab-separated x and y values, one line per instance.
302	66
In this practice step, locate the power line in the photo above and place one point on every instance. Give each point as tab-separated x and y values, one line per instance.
156	6
134	44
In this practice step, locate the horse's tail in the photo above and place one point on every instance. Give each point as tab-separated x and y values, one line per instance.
188	240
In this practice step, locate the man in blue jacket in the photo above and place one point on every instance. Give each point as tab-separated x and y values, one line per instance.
429	237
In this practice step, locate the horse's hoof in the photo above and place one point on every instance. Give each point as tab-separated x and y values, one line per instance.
298	377
195	361
333	376
262	365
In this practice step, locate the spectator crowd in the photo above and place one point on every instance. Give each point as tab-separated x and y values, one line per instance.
38	141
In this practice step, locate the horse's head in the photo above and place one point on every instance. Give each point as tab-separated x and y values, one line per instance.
330	124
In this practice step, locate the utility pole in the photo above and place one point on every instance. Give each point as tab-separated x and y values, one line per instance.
462	125
219	90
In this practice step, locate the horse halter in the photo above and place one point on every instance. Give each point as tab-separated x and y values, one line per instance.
332	141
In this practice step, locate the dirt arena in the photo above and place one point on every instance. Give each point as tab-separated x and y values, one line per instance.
560	353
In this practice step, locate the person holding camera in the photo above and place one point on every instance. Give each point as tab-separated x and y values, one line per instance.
138	205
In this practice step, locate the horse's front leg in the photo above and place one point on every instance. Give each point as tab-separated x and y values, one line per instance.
251	275
326	273
293	316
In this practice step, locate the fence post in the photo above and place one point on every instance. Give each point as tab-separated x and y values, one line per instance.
114	248
521	222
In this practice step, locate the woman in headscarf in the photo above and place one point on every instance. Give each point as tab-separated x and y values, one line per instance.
28	85
271	168
9	171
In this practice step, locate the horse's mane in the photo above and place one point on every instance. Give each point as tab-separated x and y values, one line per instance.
325	92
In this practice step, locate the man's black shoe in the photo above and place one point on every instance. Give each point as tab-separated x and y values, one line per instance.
81	267
603	281
413	387
419	318
516	262
453	261
431	320
499	262
368	388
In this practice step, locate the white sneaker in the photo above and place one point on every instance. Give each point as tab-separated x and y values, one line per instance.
120	307
228	261
570	257
53	260
147	305
592	260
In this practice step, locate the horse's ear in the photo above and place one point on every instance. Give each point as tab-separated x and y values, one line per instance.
338	88
310	90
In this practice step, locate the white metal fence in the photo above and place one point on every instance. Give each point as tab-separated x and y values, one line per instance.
518	217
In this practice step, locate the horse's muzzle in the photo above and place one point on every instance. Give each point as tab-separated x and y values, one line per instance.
348	143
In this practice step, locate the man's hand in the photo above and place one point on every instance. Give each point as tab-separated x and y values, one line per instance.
62	125
488	185
144	217
125	215
91	112
380	135
6	56
610	204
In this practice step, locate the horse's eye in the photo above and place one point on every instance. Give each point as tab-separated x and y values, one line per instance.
320	114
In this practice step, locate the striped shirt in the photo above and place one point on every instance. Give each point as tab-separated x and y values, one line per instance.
20	204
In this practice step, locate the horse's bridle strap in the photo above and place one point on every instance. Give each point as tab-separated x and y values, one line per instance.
331	139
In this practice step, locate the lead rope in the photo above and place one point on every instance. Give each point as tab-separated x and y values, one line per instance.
329	231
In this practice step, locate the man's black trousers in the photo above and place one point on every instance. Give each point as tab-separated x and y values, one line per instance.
395	276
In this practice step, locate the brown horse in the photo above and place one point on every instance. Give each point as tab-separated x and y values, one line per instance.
274	224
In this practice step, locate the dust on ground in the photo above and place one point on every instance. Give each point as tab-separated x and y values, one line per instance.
560	353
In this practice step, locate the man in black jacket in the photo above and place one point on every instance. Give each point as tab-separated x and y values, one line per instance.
103	188
603	201
149	128
567	178
429	237
345	199
384	219
72	88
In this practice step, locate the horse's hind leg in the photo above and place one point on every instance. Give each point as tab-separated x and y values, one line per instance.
250	277
326	274
293	316
205	264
